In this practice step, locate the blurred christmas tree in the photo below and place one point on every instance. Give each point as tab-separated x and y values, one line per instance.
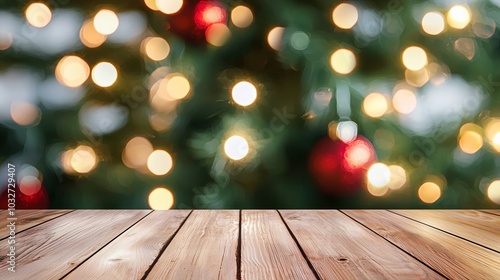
251	104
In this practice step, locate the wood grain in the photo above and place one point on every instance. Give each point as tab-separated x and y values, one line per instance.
340	248
204	248
27	219
476	226
492	211
54	248
131	254
268	251
451	256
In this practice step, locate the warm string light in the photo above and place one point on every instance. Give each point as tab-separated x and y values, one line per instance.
160	162
429	192
38	15
217	34
414	58
24	113
236	147
89	35
169	7
343	61
274	37
106	22
492	133
82	159
161	199
72	71
493	191
433	23
458	17
136	152
345	16
375	105
104	74
6	40
155	48
241	16
244	93
470	139
404	101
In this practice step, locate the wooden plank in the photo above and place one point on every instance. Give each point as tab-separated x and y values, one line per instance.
54	248
451	256
491	211
340	248
268	251
481	228
131	254
27	219
204	248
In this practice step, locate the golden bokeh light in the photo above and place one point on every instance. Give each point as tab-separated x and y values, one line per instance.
414	58
274	37
236	147
429	192
217	34
38	15
72	71
433	23
160	162
375	105
106	22
493	191
417	78
24	113
83	159
177	86
379	175
345	16
136	152
30	185
492	132
470	139
470	142
161	199
404	101
169	6
244	93
241	16
89	35
376	191
155	48
104	74
398	177
343	61
458	17
5	40
151	4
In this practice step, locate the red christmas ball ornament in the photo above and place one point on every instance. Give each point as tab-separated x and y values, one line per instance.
194	18
339	168
29	194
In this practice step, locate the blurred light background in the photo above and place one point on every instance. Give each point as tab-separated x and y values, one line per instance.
250	104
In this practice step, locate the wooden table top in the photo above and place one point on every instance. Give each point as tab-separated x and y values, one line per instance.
253	244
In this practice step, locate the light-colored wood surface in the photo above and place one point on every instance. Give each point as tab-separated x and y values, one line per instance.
340	248
491	211
131	254
476	226
52	249
268	251
254	244
26	219
204	248
451	256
